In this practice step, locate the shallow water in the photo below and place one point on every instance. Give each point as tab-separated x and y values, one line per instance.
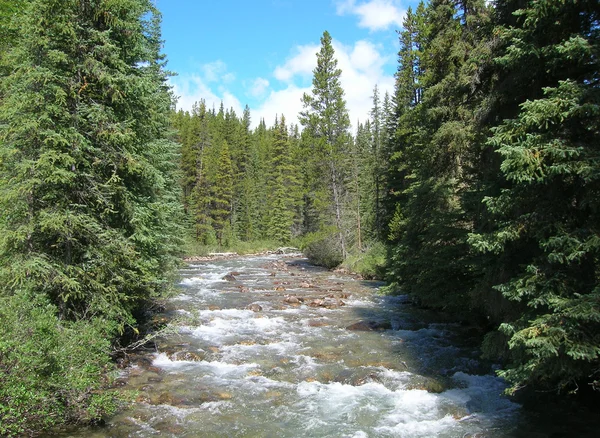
269	354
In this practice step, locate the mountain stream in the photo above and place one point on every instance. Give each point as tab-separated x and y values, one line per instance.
270	346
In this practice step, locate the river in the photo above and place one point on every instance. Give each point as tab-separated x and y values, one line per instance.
270	346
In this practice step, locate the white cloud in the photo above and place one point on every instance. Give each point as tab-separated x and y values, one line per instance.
217	72
362	67
373	14
193	88
302	63
258	87
287	102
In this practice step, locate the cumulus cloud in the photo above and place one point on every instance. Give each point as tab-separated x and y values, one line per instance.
302	63
193	88
215	71
287	101
362	64
373	14
258	87
362	67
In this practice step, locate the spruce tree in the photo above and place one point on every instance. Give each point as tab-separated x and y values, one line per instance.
222	195
283	186
89	200
326	122
86	176
542	241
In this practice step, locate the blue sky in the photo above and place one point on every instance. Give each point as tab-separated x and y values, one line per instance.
262	52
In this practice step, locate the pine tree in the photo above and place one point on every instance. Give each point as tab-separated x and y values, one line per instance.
221	205
326	123
543	238
85	172
283	183
89	200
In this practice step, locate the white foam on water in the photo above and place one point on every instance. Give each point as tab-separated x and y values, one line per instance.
482	395
216	407
400	412
182	297
358	302
418	429
359	434
241	351
163	361
264	383
204	279
398	378
240	324
227	370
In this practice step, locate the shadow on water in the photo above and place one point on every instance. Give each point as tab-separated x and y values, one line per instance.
447	348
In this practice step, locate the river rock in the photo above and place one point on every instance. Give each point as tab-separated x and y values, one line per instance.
316	303
333	303
362	380
229	277
327	356
428	384
369	326
119	382
189	356
166	398
254	307
327	303
317	323
292	299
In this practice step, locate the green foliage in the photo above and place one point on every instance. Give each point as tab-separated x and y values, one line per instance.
236	182
284	196
546	216
194	248
52	371
323	247
370	263
326	122
492	190
89	200
85	177
433	152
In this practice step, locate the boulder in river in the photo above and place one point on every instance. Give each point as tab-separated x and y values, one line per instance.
428	384
254	307
292	299
369	326
229	277
317	322
185	355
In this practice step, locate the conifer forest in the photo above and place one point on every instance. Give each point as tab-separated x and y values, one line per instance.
474	188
